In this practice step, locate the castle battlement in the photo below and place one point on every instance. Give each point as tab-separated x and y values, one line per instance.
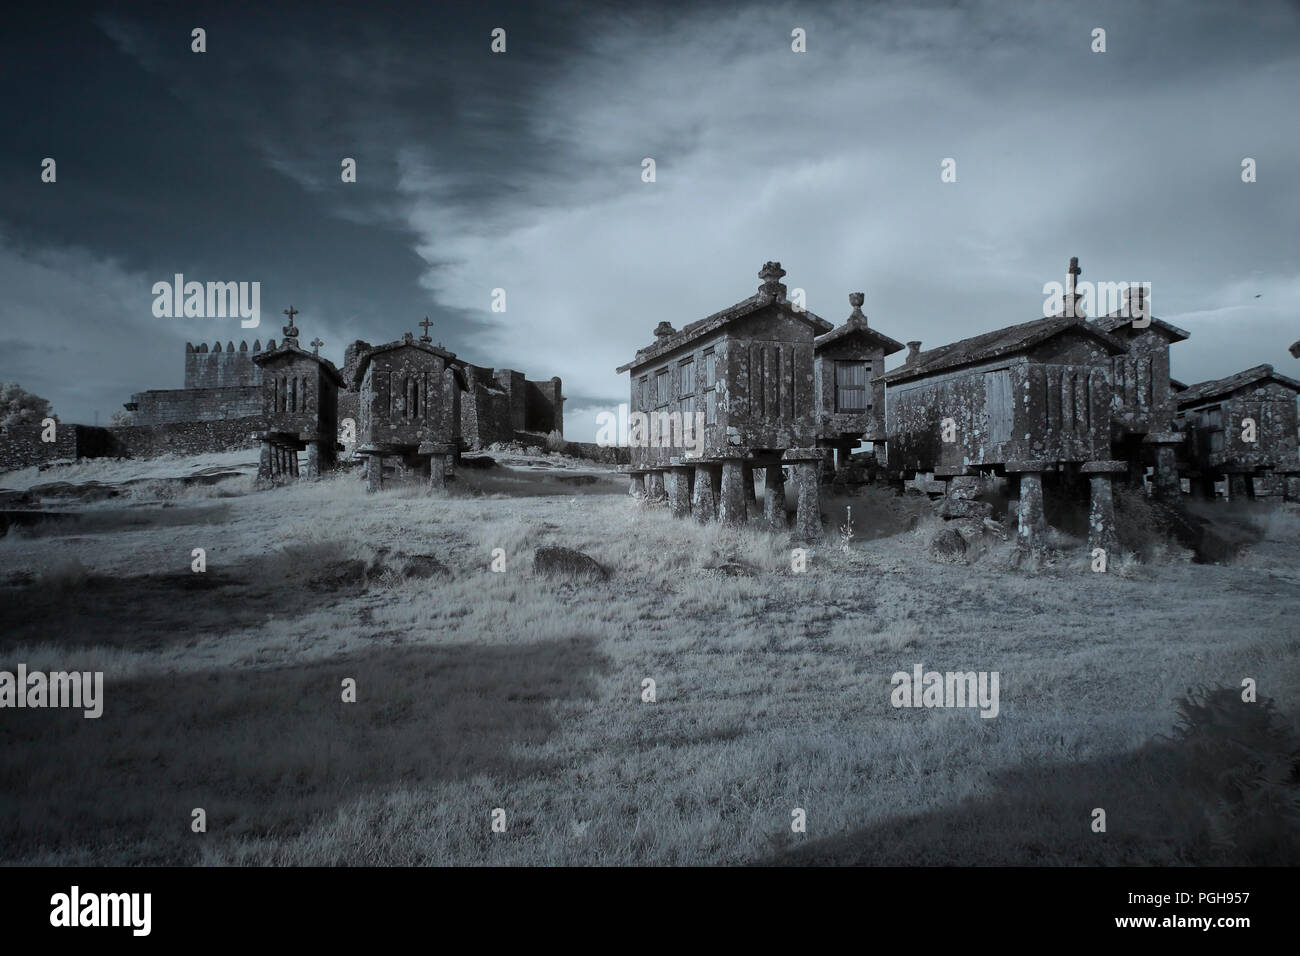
220	367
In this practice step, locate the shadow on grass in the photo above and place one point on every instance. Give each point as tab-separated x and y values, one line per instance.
1224	790
70	607
266	751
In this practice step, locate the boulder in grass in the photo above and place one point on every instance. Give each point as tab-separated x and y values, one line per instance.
565	562
424	566
948	545
339	576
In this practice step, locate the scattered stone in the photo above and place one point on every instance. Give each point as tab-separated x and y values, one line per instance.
567	562
424	566
734	569
948	544
963	508
340	575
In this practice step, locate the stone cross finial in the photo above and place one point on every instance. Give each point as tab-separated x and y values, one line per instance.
289	331
1073	307
426	325
316	343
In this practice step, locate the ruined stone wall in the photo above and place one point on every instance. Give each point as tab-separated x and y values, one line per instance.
543	407
512	383
485	411
349	406
220	367
165	406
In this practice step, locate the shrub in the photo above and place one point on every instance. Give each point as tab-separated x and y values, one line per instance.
1242	763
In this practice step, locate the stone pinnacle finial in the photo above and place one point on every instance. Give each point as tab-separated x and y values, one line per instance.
426	325
856	317
771	274
290	333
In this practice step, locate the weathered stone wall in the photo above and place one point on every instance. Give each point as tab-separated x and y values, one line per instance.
868	422
21	445
1272	406
184	438
221	367
543	407
1141	382
485	411
349	406
409	397
1000	412
512	383
298	397
165	406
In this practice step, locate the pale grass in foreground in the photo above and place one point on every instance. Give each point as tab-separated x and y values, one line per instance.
486	690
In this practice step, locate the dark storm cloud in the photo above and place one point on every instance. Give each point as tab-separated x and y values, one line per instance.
523	172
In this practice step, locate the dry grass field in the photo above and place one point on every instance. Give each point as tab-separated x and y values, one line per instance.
479	689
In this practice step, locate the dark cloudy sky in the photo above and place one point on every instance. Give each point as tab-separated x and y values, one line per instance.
523	171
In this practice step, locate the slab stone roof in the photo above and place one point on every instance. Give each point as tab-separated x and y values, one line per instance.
1007	341
408	341
1204	391
771	292
1117	320
288	348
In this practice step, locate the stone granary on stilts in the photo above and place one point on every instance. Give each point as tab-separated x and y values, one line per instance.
300	407
850	396
409	408
1027	401
1144	431
1242	430
726	395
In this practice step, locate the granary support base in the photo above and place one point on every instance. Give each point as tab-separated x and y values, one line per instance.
680	499
808	516
1101	515
1032	522
703	503
774	497
731	504
374	472
655	486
